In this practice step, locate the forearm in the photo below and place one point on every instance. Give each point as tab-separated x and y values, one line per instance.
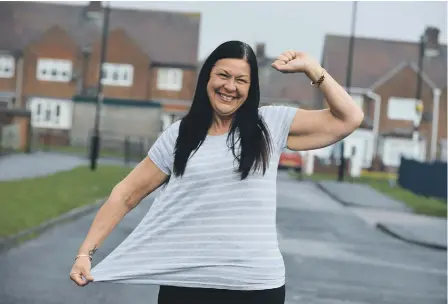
107	218
339	101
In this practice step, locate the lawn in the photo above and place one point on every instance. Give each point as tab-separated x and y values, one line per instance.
420	204
83	151
29	202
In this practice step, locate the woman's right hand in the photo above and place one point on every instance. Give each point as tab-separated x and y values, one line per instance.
80	272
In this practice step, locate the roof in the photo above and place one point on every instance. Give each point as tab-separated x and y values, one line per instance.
167	37
375	58
391	73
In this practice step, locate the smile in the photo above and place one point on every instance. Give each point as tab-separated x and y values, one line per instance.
226	97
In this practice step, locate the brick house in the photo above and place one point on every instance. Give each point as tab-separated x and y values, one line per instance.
49	63
384	83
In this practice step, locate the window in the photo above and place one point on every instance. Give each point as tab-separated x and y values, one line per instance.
395	148
58	70
401	108
6	66
117	74
169	79
50	113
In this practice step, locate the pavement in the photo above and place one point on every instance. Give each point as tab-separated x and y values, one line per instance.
360	195
20	166
332	256
389	215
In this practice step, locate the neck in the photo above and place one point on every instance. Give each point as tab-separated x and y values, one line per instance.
220	125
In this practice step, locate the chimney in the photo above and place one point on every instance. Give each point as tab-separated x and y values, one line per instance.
260	50
94	6
94	12
431	38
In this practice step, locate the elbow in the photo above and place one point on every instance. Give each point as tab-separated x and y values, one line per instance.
358	119
355	120
120	196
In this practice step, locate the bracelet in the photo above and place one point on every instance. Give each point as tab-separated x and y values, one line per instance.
319	81
84	255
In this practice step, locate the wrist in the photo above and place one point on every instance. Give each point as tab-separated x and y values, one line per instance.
314	72
84	256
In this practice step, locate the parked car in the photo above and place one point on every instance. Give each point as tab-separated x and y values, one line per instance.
290	160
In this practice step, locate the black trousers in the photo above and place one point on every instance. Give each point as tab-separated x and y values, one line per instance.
183	295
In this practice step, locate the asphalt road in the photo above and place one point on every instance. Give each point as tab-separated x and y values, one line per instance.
331	256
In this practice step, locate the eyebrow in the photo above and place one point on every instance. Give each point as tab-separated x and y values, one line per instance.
224	71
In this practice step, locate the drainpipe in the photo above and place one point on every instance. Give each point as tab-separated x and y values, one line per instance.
435	124
376	120
19	80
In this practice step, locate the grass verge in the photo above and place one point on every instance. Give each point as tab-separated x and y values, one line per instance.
29	202
419	204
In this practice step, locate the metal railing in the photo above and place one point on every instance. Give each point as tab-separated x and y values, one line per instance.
112	146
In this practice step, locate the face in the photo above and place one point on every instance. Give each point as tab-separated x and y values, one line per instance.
228	85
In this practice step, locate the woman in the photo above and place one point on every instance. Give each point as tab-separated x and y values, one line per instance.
210	236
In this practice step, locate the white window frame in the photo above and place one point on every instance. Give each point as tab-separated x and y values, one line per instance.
399	108
118	74
51	113
7	66
358	99
169	79
55	70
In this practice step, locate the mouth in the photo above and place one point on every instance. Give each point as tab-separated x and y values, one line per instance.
225	97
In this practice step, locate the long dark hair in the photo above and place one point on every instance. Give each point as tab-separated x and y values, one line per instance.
253	136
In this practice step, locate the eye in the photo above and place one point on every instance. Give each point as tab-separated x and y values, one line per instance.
242	81
222	75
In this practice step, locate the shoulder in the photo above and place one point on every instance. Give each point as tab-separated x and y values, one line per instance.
170	133
173	128
277	113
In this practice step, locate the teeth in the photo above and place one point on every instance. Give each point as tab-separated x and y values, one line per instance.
226	98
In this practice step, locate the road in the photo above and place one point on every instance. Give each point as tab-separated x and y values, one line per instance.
331	256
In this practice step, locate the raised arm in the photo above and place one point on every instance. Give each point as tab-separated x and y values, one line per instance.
313	129
126	195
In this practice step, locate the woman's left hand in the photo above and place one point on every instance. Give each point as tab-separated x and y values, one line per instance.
297	62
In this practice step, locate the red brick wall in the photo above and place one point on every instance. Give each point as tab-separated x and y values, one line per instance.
404	84
55	43
121	49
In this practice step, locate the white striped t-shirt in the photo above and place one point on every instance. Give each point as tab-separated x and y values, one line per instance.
208	228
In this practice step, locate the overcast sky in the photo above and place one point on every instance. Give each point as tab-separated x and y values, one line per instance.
303	25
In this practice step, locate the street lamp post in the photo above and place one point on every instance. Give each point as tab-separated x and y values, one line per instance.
348	84
95	141
418	96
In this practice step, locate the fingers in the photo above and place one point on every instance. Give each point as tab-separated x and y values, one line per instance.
278	64
81	277
292	54
77	278
287	56
88	276
283	58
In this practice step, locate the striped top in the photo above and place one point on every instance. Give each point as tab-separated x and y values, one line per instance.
208	228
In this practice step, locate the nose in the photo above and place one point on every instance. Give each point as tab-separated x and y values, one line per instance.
230	85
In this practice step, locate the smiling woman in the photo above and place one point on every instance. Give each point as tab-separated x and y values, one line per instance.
228	86
210	235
